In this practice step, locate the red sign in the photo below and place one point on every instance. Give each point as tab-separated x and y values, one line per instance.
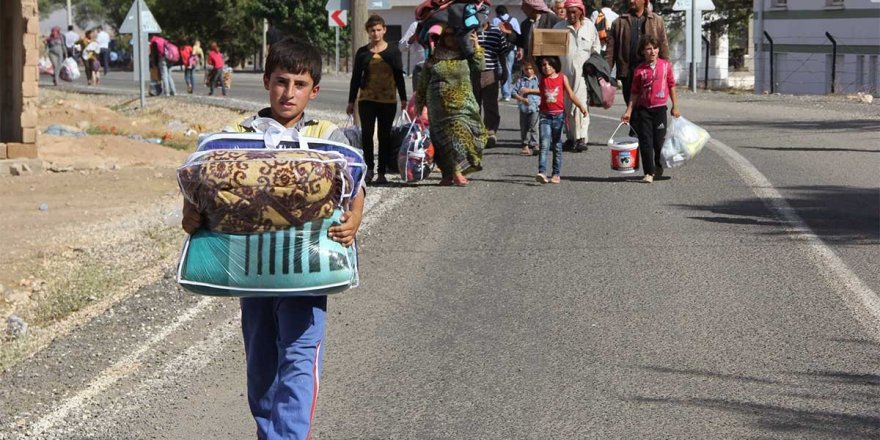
338	18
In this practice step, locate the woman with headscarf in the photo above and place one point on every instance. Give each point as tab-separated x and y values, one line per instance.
57	51
445	87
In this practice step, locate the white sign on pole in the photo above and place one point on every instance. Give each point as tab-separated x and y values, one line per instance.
333	5
693	30
148	22
337	18
379	4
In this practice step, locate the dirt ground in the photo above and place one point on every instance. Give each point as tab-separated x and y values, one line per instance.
101	220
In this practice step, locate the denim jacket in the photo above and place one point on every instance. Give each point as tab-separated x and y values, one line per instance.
534	100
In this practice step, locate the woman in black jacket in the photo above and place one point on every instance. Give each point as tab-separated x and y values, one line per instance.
378	72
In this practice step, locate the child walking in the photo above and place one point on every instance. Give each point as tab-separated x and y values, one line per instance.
652	83
283	336
528	108
552	119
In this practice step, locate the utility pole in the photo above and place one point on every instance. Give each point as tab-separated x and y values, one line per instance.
69	15
358	18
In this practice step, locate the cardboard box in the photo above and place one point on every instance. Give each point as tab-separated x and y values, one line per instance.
549	42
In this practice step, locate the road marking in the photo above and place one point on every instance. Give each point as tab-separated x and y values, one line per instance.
854	292
122	368
376	204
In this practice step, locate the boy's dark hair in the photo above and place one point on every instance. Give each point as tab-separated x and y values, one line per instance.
374	20
648	40
294	56
70	27
528	63
500	10
607	3
554	61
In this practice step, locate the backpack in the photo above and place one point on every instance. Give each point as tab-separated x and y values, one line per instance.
602	27
172	53
186	57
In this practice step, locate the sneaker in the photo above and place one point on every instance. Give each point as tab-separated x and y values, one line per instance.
526	151
658	171
648	178
541	178
555	179
459	180
381	180
368	177
581	146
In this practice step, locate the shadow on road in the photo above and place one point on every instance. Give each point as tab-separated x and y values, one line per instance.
858	393
854	150
825	125
837	214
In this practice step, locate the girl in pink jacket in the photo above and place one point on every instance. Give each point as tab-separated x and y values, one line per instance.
652	83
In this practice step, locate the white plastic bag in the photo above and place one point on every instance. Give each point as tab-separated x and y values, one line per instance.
684	140
69	70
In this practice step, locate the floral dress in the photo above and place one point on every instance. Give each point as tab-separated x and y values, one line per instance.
457	130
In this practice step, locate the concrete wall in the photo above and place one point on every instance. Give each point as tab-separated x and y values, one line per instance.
19	50
802	61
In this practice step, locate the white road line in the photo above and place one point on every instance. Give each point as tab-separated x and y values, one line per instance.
854	292
376	204
113	374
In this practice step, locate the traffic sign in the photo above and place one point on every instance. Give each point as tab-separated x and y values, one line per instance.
379	4
338	18
333	5
149	24
685	5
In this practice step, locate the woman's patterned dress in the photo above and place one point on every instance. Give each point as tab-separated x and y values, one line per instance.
457	130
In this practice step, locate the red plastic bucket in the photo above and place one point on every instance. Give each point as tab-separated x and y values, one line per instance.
624	153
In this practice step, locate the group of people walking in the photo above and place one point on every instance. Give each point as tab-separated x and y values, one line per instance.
467	72
92	48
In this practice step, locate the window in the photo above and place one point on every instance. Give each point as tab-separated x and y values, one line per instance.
779	3
833	3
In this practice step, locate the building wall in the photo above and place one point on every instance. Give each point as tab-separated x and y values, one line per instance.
802	60
19	51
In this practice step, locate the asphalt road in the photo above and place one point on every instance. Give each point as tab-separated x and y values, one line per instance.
735	299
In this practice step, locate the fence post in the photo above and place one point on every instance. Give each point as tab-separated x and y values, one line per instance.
833	63
706	75
772	79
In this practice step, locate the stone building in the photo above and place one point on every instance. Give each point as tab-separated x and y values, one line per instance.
19	52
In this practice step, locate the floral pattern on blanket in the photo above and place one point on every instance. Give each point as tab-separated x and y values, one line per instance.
248	191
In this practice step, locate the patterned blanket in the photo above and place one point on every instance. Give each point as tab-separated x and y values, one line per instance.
248	191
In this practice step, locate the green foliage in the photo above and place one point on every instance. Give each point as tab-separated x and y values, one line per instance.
235	25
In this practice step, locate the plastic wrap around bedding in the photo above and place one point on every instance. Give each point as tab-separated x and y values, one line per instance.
233	141
246	191
300	261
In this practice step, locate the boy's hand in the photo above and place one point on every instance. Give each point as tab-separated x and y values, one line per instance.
675	112
346	230
625	117
192	220
350	109
584	110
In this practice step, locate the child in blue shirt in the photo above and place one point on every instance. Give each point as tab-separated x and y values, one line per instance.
528	108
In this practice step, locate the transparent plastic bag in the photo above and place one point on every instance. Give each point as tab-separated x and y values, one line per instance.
298	261
415	159
684	140
352	133
247	191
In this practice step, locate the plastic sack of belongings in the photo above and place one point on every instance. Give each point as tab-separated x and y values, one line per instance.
415	159
267	200
684	140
